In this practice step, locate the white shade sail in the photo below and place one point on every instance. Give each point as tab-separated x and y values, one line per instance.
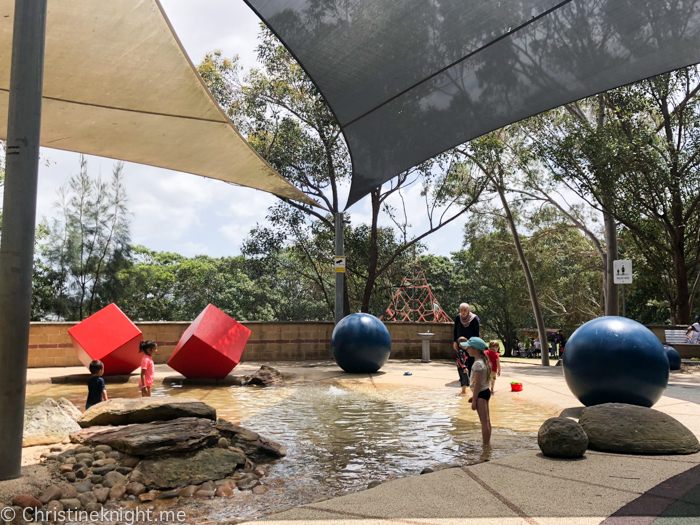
118	84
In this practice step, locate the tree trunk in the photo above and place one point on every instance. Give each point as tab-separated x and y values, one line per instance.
612	297
373	253
541	329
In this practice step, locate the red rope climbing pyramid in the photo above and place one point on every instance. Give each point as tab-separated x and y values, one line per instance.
415	302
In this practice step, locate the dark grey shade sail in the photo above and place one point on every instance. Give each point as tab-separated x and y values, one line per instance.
409	79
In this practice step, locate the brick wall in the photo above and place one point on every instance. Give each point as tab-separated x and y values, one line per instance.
50	344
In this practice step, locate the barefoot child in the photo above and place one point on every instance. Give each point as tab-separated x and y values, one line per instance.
480	383
462	364
149	348
97	390
495	360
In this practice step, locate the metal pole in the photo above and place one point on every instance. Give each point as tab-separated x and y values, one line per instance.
19	214
624	302
339	276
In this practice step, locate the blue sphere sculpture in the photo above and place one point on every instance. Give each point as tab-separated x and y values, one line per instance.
674	358
615	360
361	344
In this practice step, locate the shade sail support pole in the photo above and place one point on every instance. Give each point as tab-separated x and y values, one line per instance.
19	215
339	276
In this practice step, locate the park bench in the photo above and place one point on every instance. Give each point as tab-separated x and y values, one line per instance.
676	337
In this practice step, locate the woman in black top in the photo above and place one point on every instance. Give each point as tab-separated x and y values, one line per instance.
466	325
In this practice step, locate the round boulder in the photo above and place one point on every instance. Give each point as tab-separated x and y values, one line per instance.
561	437
630	429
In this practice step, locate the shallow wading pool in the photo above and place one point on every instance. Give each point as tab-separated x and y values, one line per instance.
343	434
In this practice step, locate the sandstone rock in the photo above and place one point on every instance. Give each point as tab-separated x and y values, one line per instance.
189	491
226	489
69	408
158	438
260	489
266	376
102	494
251	443
51	493
135	489
113	478
71	504
67	491
70	476
117	491
561	437
47	423
179	471
144	410
83	486
88	497
27	501
629	429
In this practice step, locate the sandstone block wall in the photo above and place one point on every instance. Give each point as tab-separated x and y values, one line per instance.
50	344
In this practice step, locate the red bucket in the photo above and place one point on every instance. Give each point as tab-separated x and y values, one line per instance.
516	387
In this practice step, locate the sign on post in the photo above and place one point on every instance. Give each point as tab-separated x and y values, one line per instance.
622	272
339	261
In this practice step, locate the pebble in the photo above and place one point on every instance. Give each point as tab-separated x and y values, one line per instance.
373	484
82	473
56	448
169	495
117	491
99	455
51	493
68	491
93	507
115	455
83	486
113	478
129	505
226	490
102	494
87	497
135	489
70	476
52	458
207	485
103	448
260	489
124	470
65	468
223	443
70	460
83	449
54	507
147	496
131	461
71	504
96	479
261	472
26	501
101	471
189	491
205	494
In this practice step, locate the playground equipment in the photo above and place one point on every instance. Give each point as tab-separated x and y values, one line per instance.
108	336
674	358
414	302
211	346
361	344
615	360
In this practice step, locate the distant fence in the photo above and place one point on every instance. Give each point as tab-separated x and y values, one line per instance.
50	344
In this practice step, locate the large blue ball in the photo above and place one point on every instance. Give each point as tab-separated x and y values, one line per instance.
361	344
674	358
615	360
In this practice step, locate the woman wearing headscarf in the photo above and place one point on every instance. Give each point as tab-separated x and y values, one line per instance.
466	325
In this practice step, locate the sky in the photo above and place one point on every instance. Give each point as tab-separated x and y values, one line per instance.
192	215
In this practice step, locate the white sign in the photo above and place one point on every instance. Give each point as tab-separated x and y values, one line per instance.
622	272
339	261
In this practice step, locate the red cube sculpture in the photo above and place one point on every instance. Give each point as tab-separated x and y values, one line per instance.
108	336
211	346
